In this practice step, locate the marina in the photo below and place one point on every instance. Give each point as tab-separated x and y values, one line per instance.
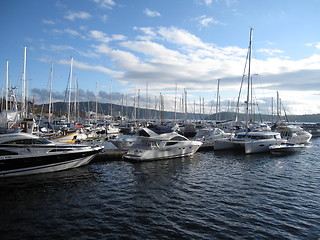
160	120
212	195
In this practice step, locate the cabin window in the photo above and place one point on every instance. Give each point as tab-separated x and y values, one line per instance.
154	145
29	141
179	138
171	143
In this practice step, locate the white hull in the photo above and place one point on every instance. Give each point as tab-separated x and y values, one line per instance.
124	142
48	168
258	146
69	138
227	144
208	136
25	154
165	153
252	142
287	149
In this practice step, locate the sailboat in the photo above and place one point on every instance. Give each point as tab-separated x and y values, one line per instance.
250	141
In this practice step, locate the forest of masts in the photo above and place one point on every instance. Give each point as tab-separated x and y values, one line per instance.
75	110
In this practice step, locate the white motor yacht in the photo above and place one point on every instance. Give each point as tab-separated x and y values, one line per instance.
208	136
25	154
250	142
124	142
161	146
293	133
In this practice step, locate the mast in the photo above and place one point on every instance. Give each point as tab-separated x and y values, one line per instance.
23	94
70	85
111	98
96	115
50	93
161	109
278	106
147	106
126	105
138	117
175	105
7	86
203	107
272	110
122	107
217	104
248	77
186	103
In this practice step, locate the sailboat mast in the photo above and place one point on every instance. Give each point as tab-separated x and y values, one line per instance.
7	85
111	114
23	94
146	110
217	104
70	85
96	115
175	105
186	104
75	107
138	117
249	76
50	94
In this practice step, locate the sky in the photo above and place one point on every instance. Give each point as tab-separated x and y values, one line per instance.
125	50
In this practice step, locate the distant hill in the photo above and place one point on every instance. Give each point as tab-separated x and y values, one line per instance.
60	108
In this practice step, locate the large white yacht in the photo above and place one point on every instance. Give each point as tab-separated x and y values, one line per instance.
24	154
250	142
161	146
293	133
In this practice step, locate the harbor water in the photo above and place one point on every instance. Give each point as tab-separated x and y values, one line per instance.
212	195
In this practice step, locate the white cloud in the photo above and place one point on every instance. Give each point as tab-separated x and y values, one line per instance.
317	45
194	64
149	33
104	18
152	49
270	52
151	13
57	31
49	22
206	21
61	47
180	36
83	65
99	36
71	32
104	38
118	37
314	44
105	3
77	15
208	2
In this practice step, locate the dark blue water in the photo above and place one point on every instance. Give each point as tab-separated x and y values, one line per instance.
209	196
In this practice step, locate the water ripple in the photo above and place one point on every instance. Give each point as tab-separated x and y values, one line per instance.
209	196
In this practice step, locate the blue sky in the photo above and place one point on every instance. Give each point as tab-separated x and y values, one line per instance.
122	46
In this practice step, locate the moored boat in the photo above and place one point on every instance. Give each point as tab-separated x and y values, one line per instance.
250	142
161	146
208	137
25	154
287	148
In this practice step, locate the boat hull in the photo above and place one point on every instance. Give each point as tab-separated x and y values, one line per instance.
160	154
17	165
260	146
287	149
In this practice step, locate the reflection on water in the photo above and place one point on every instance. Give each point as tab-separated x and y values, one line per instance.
213	195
